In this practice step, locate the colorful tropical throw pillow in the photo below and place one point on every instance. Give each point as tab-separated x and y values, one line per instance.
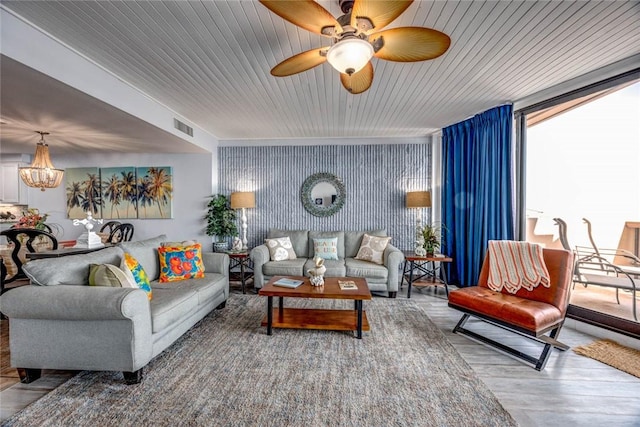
372	248
180	263
132	268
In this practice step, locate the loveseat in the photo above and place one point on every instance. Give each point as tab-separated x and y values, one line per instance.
382	278
59	322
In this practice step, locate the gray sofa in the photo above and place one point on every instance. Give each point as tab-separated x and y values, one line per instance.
380	278
59	322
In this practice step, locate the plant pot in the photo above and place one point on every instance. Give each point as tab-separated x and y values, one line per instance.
220	246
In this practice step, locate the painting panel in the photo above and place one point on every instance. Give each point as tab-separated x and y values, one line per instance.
155	192
119	192
82	190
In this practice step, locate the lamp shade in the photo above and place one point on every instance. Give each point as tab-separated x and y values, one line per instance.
418	199
243	199
350	55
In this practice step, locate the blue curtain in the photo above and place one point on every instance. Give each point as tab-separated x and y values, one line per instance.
477	189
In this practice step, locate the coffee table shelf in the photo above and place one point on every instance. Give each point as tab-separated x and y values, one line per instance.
307	318
312	318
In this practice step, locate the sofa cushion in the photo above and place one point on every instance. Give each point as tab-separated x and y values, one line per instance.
135	271
109	275
290	267
326	235
146	252
206	288
69	270
180	263
357	268
172	305
353	240
280	249
372	248
326	248
335	268
299	239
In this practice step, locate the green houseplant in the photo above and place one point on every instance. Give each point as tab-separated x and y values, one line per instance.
432	233
221	221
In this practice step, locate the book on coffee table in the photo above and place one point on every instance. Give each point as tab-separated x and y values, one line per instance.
347	285
288	283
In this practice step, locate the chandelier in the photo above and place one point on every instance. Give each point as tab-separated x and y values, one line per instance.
41	174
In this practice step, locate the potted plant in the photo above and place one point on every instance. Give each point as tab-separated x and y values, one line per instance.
432	234
221	221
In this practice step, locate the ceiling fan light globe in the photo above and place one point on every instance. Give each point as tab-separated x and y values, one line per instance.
349	56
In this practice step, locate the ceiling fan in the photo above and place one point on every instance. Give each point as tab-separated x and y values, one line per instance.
356	37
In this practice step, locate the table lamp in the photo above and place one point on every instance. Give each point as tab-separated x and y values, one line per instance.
243	200
419	200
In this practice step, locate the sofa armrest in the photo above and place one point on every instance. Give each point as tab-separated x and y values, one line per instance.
393	257
260	256
71	302
215	262
79	327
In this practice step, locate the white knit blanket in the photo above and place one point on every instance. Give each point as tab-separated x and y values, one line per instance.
514	265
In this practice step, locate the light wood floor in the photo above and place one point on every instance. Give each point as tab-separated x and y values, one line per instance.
571	391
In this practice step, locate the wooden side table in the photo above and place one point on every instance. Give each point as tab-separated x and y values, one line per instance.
422	271
242	261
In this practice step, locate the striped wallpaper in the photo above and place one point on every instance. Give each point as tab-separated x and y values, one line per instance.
376	178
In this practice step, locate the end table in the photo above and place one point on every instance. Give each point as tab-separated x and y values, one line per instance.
242	261
422	271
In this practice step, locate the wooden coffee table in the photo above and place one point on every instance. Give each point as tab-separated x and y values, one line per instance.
310	318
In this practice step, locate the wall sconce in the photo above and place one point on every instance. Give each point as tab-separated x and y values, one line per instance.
419	200
243	200
41	174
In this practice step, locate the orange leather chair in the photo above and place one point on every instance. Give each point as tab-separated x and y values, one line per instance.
529	313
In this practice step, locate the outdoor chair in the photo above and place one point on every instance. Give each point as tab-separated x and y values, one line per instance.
537	314
598	269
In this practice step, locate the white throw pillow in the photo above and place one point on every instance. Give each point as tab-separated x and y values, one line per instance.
372	248
280	249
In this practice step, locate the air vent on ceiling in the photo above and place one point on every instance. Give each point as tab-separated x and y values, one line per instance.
183	127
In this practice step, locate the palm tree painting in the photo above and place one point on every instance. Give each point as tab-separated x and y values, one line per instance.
119	192
83	192
155	192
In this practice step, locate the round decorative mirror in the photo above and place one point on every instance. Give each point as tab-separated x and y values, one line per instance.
323	194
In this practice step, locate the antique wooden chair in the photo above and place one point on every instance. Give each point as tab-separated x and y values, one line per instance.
109	226
121	233
25	239
532	314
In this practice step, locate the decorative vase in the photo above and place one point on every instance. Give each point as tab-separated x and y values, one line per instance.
220	246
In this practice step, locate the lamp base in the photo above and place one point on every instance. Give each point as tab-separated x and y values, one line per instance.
89	240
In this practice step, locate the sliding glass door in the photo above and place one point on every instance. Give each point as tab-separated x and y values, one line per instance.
582	191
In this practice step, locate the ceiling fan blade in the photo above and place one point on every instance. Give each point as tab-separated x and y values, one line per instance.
410	44
299	63
306	14
360	81
380	13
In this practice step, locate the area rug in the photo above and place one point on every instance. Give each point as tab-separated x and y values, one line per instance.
226	371
613	354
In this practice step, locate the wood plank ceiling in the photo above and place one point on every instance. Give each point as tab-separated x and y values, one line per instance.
209	61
